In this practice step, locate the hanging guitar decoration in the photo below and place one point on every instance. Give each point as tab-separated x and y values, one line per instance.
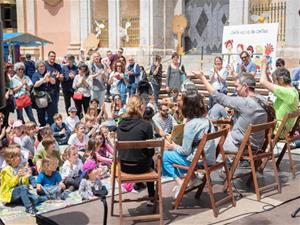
179	25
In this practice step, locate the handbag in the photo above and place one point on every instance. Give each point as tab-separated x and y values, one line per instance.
77	95
23	101
41	99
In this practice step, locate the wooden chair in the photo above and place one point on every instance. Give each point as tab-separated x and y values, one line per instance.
286	137
207	171
221	124
255	156
153	175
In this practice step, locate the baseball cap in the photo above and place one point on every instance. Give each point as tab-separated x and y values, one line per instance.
17	123
72	109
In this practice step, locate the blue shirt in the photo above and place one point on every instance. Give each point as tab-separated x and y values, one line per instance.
29	68
45	180
296	77
45	86
53	68
250	67
68	82
135	68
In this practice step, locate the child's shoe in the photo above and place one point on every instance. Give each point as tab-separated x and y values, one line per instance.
32	210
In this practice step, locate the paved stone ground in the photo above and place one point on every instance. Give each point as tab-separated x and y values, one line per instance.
199	212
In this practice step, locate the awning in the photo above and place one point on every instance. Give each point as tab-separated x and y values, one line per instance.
23	39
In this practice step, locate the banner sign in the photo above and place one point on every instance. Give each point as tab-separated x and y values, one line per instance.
258	39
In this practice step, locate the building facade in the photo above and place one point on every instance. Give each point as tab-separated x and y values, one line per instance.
144	27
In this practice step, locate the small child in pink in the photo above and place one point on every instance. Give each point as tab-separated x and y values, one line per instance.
104	151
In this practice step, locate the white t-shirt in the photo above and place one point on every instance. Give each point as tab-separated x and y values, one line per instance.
71	122
73	140
69	170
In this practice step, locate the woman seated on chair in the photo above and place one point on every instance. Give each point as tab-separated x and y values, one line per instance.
195	111
133	128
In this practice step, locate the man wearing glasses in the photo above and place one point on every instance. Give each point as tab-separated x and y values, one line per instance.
246	65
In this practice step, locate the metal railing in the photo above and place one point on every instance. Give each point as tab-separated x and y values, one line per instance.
277	13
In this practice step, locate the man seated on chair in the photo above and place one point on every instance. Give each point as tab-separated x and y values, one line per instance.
163	121
247	110
287	96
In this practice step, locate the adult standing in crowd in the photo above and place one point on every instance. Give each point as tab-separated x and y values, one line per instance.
287	97
21	86
218	76
43	84
70	70
133	128
82	85
98	77
118	81
10	106
56	72
134	73
156	77
29	66
175	74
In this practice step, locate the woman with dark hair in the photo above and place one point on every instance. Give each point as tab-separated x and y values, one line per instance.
194	110
156	77
175	74
117	81
134	128
82	86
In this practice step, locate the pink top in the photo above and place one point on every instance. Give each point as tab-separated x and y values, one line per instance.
103	154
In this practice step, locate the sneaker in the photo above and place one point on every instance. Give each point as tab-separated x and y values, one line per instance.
176	190
150	203
32	210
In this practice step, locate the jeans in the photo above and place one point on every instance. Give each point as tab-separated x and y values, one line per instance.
29	113
131	88
99	95
29	200
170	158
67	97
55	99
70	181
156	90
44	113
82	103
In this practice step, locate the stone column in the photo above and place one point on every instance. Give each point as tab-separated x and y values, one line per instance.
239	12
21	16
75	44
113	24
292	33
85	19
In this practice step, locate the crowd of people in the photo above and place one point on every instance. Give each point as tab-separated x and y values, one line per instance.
114	98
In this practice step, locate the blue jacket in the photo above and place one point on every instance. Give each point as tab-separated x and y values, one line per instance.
51	69
61	139
192	134
135	68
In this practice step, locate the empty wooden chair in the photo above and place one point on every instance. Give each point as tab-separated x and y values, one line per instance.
153	175
256	156
207	170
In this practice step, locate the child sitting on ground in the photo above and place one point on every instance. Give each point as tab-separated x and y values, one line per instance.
29	138
71	168
61	131
72	119
90	125
93	112
49	151
104	151
79	138
15	181
90	181
49	181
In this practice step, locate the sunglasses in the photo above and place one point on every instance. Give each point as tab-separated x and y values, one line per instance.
21	69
